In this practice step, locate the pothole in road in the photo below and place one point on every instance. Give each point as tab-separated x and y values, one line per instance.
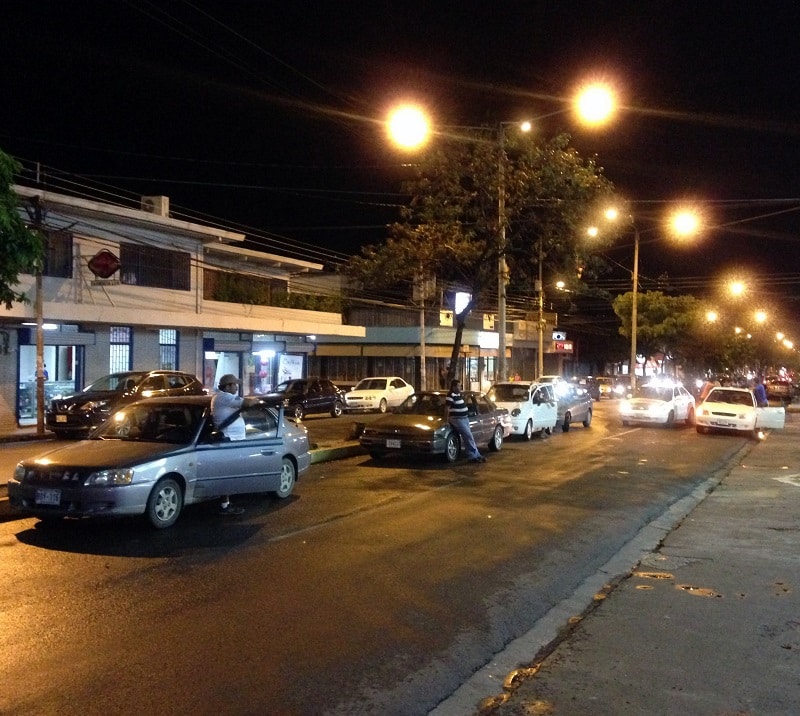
653	575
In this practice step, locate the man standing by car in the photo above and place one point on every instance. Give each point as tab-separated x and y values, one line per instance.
225	409
760	392
455	413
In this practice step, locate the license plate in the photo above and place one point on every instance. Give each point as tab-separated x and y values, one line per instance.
392	443
61	418
48	497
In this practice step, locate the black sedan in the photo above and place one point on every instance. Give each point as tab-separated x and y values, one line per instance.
418	427
78	414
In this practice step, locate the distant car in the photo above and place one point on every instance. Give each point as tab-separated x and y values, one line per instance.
574	406
418	427
728	409
605	387
531	406
779	388
78	414
379	394
156	456
658	403
306	396
588	383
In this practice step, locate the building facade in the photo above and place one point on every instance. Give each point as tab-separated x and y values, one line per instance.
133	288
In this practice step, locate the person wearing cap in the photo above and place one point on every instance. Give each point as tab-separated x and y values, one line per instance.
224	405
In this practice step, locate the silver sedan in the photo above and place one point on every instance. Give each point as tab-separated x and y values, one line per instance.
158	455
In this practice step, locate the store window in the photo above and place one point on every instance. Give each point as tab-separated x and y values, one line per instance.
119	349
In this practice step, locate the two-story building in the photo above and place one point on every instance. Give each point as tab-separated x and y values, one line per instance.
133	288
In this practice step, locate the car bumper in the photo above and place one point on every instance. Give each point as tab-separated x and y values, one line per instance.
78	502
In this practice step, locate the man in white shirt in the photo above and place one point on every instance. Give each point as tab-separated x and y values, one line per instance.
224	405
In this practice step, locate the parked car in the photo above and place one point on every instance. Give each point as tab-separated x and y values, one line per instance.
728	409
156	456
418	427
306	396
779	388
378	394
77	415
664	404
531	406
588	383
574	406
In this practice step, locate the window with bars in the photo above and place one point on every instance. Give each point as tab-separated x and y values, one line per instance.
57	254
154	267
168	348
119	349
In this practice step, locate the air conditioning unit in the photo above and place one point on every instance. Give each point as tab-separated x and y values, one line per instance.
156	205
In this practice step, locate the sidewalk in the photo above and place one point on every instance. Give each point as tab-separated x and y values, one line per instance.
707	623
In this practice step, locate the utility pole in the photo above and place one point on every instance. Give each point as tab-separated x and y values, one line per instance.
39	310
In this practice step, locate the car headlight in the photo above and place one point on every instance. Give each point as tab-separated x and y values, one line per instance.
515	412
19	472
110	477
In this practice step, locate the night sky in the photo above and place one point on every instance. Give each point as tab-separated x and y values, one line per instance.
265	117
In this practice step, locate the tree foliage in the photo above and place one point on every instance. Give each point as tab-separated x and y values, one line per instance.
450	229
21	249
671	325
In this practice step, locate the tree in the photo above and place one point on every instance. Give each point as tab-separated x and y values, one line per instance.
450	228
666	324
21	249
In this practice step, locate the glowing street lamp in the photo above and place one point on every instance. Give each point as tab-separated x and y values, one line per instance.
408	127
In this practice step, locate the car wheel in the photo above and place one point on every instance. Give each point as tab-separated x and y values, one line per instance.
587	421
496	443
670	422
452	447
299	413
700	429
288	479
165	503
528	434
337	409
690	417
565	424
383	406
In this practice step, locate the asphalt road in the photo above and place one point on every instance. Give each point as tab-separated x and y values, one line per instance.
378	588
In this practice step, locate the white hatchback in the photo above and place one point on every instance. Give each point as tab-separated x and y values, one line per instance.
532	406
731	409
380	393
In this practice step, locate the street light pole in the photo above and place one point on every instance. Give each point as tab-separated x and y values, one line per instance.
502	266
634	307
540	322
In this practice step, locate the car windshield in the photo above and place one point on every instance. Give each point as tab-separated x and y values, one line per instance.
508	393
654	392
290	386
371	384
734	397
116	382
161	422
425	404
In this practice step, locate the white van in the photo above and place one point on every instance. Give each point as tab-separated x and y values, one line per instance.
532	406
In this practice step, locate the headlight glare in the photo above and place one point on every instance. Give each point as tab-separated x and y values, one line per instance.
110	477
